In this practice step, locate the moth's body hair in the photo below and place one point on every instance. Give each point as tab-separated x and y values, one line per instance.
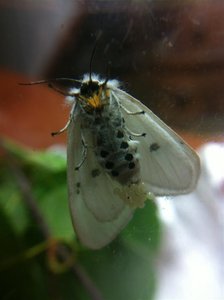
111	137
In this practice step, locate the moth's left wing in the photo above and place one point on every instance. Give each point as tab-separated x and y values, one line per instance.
98	213
168	165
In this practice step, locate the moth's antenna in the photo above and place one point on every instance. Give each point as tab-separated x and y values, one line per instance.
91	61
108	73
49	81
93	53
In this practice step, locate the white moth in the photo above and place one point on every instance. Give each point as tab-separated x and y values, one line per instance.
118	152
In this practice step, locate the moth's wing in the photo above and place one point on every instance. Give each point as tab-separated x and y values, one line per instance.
98	213
92	182
168	165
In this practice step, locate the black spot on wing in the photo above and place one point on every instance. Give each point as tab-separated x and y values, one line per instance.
95	173
78	184
154	147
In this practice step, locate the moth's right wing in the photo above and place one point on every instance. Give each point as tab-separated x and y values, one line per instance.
168	165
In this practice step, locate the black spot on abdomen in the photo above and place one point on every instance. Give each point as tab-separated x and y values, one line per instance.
120	134
124	145
104	153
109	165
131	165
128	157
114	173
117	152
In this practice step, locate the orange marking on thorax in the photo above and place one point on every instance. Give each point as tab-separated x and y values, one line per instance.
96	100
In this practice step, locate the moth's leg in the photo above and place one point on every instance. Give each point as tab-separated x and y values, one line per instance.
130	132
63	129
133	113
84	154
135	134
130	113
67	124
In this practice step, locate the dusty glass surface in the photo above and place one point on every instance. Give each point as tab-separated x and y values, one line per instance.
169	55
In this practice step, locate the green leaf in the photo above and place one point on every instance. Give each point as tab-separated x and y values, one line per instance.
125	268
122	270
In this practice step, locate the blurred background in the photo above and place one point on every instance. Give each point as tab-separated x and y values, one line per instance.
168	54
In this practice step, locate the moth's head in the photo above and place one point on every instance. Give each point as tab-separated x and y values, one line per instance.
94	94
89	88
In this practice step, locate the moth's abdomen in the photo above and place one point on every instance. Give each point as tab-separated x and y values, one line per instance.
118	155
